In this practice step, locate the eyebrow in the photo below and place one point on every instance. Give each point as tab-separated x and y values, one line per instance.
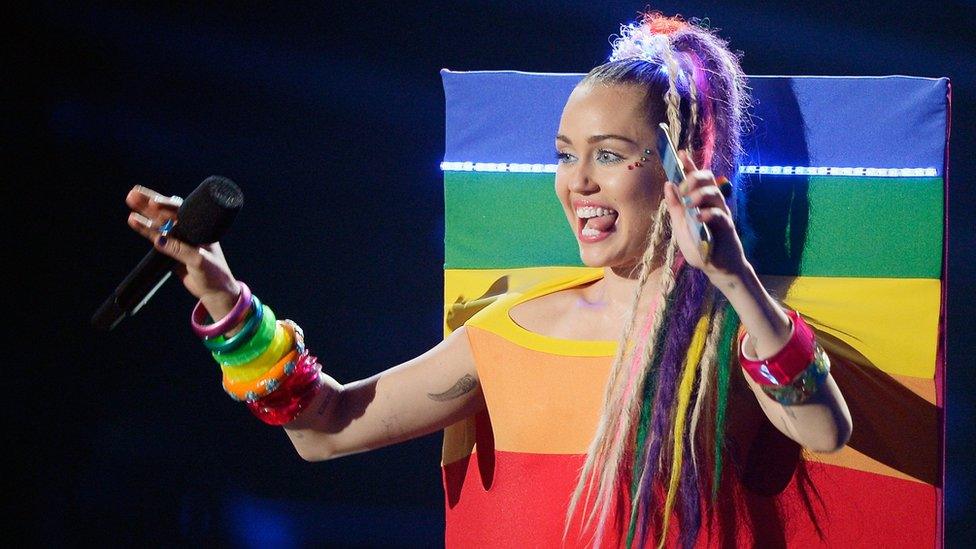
597	138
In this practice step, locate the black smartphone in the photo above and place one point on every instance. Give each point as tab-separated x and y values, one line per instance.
675	174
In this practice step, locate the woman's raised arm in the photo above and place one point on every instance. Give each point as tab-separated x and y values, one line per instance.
822	422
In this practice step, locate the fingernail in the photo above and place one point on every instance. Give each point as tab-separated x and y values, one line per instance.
161	240
168	200
167	227
143	220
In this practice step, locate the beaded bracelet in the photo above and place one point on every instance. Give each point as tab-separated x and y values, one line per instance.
255	346
306	370
788	362
243	391
804	385
222	344
294	395
199	315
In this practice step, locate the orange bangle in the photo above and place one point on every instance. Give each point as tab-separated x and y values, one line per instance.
248	391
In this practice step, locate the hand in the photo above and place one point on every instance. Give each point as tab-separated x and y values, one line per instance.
202	269
700	190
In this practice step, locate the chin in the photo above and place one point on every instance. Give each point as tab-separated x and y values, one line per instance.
591	260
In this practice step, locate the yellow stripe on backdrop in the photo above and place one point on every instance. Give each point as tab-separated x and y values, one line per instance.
893	323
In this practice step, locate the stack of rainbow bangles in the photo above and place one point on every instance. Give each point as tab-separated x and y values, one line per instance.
796	372
265	364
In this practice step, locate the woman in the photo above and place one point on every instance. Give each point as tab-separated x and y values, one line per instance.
658	446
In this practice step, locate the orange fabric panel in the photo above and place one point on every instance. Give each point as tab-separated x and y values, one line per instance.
530	413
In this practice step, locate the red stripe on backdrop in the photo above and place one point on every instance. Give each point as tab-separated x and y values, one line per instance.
522	503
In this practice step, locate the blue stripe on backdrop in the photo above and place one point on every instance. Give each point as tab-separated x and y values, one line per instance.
869	122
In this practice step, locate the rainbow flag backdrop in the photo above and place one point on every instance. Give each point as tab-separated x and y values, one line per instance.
846	203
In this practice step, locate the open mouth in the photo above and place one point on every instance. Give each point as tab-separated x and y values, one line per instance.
595	222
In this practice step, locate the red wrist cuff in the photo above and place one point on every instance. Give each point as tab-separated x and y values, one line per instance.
790	361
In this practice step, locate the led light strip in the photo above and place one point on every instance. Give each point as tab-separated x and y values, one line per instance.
497	167
761	170
837	171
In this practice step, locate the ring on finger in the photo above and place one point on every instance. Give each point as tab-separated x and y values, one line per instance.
166	227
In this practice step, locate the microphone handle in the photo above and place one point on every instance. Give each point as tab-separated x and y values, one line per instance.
135	290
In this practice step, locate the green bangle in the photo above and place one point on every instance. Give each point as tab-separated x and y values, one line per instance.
254	347
221	344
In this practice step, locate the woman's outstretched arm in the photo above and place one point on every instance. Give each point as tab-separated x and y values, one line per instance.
412	399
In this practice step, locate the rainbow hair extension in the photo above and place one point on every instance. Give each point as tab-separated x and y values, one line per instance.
695	350
730	329
692	289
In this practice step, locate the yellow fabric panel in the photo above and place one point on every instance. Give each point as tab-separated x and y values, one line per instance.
467	291
891	322
479	283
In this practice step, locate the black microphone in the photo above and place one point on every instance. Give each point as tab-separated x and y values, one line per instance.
203	218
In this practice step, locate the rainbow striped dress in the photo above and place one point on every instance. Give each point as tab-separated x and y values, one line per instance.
509	472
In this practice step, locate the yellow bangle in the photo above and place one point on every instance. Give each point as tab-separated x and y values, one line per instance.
253	390
284	339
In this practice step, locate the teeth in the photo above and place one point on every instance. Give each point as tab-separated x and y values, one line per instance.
586	212
589	232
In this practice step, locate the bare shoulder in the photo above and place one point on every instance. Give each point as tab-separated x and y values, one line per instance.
567	314
543	314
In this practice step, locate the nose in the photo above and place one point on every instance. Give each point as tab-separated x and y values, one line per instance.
581	180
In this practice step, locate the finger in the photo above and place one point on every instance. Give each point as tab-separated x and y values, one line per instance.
151	203
672	197
705	197
151	228
713	217
697	179
177	249
687	162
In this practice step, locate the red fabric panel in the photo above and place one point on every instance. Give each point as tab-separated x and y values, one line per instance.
522	503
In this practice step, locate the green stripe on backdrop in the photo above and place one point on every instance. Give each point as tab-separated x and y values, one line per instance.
504	220
846	226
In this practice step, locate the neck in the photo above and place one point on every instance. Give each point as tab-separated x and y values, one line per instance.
616	290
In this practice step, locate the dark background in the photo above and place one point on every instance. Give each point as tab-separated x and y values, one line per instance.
331	120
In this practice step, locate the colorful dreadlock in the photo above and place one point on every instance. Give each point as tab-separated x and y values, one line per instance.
672	369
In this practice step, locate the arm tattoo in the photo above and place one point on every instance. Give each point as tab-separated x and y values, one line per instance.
463	385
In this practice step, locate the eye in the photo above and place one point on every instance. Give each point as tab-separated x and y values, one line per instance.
605	156
563	158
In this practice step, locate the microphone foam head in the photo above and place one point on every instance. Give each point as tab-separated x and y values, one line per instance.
208	211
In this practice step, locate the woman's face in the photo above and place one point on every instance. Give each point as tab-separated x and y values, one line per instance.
610	208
